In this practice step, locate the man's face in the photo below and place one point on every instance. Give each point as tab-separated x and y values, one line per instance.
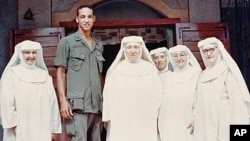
132	51
160	61
211	54
180	59
85	19
29	56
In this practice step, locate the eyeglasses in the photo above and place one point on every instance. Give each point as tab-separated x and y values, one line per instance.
205	51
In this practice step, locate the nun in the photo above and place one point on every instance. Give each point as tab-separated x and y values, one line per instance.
132	94
176	111
161	60
222	95
29	107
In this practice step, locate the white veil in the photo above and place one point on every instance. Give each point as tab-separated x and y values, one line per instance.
24	45
121	56
16	58
165	51
191	60
229	61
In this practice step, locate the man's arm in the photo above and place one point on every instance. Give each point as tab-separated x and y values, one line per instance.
65	108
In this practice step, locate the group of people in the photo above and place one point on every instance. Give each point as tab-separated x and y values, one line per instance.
162	94
179	86
200	105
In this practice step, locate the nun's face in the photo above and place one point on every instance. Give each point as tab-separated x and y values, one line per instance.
160	61
180	59
211	55
29	56
132	51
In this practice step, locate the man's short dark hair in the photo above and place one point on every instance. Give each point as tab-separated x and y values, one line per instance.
84	6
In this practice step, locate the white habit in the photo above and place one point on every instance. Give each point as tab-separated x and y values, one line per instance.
179	90
28	100
132	95
222	97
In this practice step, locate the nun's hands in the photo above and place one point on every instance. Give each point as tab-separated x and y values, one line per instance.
191	127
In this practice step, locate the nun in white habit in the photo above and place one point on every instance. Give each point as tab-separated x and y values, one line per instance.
29	107
222	95
161	60
132	94
176	112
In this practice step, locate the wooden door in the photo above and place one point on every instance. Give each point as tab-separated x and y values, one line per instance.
48	37
190	34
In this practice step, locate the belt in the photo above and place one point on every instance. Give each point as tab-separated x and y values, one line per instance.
78	111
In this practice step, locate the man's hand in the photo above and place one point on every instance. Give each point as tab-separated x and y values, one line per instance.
65	109
53	137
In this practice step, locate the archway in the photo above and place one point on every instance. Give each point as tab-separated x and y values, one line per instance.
124	19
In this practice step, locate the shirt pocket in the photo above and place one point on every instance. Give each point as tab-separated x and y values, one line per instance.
100	59
76	61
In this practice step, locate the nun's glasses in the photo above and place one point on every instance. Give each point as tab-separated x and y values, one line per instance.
210	50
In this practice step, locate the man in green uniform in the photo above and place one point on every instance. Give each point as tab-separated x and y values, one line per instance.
79	64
